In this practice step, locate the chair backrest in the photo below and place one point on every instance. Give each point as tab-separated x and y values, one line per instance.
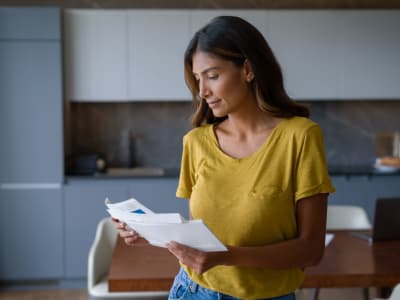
101	251
395	293
347	217
100	255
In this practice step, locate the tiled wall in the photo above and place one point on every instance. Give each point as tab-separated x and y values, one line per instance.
157	129
131	134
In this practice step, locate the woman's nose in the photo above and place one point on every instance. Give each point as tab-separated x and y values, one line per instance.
203	90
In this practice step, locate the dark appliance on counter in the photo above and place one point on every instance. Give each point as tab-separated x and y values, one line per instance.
85	164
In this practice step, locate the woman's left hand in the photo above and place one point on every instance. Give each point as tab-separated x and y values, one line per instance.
199	261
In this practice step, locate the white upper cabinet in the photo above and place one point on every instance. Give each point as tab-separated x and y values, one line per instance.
337	54
96	54
157	42
371	59
137	54
307	46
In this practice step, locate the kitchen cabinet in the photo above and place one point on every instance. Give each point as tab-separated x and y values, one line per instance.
125	55
363	190
84	208
324	54
31	236
37	23
30	111
144	50
157	42
96	54
31	152
337	54
307	46
371	54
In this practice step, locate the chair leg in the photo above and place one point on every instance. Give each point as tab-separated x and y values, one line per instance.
366	293
315	293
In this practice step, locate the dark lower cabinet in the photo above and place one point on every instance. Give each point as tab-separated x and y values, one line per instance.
31	234
363	190
84	207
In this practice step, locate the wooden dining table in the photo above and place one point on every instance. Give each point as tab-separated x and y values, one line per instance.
348	261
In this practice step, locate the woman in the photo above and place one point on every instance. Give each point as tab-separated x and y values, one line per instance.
253	169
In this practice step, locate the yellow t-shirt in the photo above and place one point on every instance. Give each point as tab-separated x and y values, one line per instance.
252	201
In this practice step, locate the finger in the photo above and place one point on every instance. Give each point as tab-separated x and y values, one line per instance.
131	240
191	257
174	248
125	234
182	252
180	248
116	223
122	226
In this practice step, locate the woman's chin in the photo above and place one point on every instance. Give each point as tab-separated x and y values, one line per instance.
218	113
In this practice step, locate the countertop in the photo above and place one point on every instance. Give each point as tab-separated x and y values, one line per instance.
143	172
366	170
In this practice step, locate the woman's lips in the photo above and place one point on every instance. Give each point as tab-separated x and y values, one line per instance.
213	103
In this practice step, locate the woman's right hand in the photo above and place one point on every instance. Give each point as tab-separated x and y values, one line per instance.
130	236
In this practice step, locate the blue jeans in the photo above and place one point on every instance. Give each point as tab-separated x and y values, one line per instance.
186	289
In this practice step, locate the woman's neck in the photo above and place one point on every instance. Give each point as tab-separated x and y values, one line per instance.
254	122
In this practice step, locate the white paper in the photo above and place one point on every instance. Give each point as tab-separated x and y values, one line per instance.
193	233
160	229
133	210
145	218
328	238
129	205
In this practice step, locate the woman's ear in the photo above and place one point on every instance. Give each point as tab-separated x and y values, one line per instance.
248	71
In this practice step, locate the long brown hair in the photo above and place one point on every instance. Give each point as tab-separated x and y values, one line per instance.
234	39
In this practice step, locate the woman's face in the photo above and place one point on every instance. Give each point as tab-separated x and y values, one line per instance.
224	86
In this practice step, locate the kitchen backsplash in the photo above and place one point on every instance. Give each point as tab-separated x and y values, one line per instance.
150	133
130	134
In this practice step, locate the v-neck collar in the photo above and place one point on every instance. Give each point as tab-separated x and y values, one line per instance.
260	149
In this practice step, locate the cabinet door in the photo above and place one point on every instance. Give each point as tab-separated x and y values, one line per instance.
31	234
372	54
84	207
96	55
354	190
157	42
159	195
364	190
383	186
31	130
308	47
29	23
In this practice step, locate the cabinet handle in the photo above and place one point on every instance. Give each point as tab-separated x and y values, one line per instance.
30	185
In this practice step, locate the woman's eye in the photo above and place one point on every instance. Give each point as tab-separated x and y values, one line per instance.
213	77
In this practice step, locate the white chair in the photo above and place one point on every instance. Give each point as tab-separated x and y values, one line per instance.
98	264
395	295
346	217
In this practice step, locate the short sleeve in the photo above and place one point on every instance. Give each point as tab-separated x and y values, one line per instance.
311	172
186	177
